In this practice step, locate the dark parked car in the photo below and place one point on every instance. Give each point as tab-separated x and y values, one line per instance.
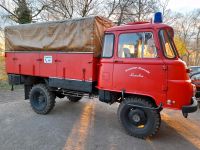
194	69
195	77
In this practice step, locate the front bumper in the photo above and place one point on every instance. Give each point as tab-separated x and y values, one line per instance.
190	108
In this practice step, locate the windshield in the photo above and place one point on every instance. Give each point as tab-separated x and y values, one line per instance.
167	44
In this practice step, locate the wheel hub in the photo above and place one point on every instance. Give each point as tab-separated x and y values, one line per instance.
137	117
41	99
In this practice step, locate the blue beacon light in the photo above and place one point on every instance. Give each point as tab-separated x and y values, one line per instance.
158	18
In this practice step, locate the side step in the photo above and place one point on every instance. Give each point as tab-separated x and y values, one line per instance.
73	93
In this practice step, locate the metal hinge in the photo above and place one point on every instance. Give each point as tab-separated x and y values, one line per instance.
165	67
165	88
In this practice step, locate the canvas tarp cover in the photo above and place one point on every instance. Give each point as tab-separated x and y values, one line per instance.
75	35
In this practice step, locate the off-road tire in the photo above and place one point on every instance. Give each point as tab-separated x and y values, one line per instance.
153	119
74	99
48	102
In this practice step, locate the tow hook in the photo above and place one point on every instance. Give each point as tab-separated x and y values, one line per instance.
185	115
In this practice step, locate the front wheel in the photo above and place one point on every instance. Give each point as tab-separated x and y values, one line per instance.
41	99
137	121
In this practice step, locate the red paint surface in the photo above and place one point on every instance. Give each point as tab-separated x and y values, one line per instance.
64	65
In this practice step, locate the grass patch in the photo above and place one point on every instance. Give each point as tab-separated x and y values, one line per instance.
3	76
4	85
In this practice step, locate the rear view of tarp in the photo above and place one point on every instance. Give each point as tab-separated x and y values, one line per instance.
75	35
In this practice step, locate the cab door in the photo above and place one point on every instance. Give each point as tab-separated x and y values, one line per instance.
138	69
106	63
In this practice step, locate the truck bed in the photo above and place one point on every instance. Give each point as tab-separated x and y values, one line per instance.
63	69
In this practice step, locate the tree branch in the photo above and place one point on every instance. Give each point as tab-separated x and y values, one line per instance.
39	11
9	11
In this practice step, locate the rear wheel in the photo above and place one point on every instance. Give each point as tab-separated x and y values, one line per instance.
137	121
42	100
74	98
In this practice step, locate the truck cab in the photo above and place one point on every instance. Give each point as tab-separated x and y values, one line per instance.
141	68
141	59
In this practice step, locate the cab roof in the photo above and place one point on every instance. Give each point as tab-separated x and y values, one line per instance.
137	26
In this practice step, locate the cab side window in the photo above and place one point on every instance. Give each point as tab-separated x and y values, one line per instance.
137	45
108	46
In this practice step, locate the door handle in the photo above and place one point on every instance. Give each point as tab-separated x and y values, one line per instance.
39	59
14	58
57	60
118	61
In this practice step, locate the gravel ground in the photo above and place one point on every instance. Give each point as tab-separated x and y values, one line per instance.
86	125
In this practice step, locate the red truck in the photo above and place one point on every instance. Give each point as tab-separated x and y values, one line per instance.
138	67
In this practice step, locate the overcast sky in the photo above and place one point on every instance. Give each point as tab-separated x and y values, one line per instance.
183	5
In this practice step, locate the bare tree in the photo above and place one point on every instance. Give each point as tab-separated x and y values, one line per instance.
197	51
87	7
186	27
143	8
58	9
122	10
110	7
169	17
66	9
23	10
132	10
163	7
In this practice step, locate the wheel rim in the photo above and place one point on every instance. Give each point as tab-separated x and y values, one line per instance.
39	100
136	117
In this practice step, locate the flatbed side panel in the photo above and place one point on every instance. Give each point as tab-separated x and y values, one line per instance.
22	63
75	66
